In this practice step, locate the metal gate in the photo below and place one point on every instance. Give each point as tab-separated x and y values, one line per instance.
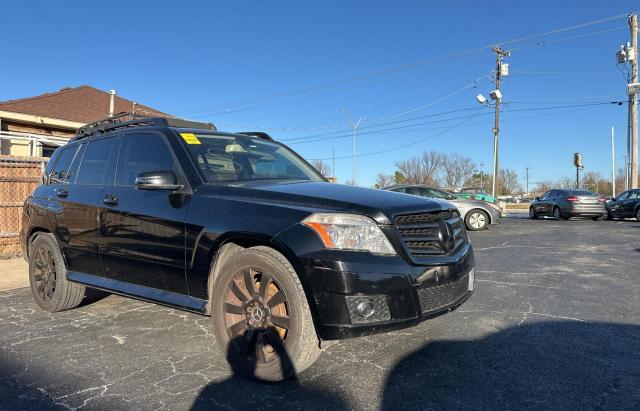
19	176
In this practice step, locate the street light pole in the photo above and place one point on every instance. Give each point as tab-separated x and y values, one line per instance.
354	127
481	173
496	127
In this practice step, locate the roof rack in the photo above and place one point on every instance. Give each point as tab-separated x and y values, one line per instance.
125	120
258	134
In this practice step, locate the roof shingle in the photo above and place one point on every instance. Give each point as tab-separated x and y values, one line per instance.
83	104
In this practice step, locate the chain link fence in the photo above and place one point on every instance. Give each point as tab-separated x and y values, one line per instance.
19	176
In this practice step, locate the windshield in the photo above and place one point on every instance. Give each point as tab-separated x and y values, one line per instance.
240	158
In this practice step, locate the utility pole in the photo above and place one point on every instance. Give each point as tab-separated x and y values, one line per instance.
613	165
626	173
629	54
497	96
526	177
481	173
633	100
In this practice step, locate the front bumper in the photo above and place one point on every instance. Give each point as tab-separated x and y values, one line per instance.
402	294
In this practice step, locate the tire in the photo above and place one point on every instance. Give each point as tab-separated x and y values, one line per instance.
532	214
476	220
48	277
638	214
597	217
257	342
557	215
608	216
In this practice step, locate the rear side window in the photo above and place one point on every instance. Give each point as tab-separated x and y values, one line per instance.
634	195
142	153
61	168
97	161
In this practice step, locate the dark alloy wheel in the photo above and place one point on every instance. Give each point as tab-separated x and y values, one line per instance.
556	213
256	311
48	276
532	214
44	275
261	317
638	214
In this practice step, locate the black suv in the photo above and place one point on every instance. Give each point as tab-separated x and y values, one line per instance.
238	227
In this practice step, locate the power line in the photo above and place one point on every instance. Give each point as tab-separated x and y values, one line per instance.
412	65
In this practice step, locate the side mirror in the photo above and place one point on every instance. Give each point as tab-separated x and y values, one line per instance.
157	180
537	198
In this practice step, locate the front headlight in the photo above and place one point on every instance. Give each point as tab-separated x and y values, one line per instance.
349	232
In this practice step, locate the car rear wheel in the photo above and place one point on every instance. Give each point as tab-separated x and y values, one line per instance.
261	317
638	214
48	276
608	216
476	220
532	214
556	213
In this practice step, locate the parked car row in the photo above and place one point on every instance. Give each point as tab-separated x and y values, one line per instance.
477	215
567	203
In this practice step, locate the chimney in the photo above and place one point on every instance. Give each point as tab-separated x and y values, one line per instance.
112	102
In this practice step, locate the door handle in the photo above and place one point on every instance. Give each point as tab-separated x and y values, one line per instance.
62	193
110	200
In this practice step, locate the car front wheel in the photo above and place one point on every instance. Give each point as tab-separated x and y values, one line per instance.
476	220
532	214
638	214
261	317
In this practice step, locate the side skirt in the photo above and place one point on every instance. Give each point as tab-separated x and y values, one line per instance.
141	292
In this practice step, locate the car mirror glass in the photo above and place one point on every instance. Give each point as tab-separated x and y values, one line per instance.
157	180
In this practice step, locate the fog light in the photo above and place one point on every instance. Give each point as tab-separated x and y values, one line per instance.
366	308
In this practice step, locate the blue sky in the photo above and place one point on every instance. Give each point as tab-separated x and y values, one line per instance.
284	65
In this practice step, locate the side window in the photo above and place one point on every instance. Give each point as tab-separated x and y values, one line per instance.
73	170
142	153
623	196
634	195
413	190
63	164
96	162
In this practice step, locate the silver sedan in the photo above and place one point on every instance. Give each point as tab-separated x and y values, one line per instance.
477	214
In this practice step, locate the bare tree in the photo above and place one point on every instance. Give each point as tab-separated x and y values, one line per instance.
322	167
384	180
423	169
508	182
457	169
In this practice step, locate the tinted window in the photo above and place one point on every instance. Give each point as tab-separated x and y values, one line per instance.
63	164
234	158
97	161
580	193
623	196
634	195
142	153
413	190
73	170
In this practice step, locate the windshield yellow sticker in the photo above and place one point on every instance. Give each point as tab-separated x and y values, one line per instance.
190	138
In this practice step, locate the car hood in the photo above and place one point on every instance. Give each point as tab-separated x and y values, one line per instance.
320	196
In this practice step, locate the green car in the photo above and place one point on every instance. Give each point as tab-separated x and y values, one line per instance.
476	194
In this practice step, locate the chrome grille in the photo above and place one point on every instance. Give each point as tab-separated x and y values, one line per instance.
423	234
433	298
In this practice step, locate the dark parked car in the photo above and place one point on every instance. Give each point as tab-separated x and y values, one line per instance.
566	203
626	205
238	227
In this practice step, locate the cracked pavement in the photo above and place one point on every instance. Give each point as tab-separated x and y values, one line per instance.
554	323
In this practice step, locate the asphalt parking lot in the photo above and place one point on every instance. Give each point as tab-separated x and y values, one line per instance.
554	323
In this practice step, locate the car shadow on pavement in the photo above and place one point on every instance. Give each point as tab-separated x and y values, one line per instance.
544	365
240	392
